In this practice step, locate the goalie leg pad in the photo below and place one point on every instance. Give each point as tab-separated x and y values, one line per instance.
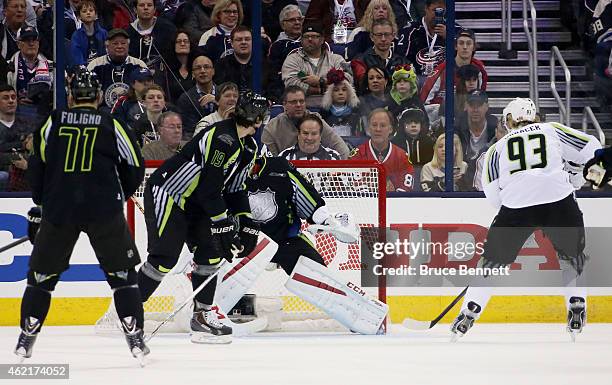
344	301
239	276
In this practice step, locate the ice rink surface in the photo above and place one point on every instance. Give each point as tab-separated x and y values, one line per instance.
491	354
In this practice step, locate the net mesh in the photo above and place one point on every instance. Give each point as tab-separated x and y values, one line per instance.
346	187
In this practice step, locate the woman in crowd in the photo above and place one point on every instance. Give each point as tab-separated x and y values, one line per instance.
374	92
432	174
177	78
226	98
226	15
359	41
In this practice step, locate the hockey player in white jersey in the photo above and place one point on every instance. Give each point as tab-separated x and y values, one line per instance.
530	175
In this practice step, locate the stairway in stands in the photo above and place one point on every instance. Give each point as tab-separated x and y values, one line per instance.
509	78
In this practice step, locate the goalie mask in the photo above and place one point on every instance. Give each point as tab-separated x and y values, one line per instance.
251	109
519	110
84	85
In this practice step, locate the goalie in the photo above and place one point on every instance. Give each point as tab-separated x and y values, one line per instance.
280	197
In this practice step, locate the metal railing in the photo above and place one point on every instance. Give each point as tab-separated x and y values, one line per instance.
532	41
565	113
506	51
587	115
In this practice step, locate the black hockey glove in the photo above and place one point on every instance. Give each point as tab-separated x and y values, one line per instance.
249	232
225	240
34	216
602	158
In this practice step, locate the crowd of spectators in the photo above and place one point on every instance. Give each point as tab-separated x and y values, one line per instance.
331	68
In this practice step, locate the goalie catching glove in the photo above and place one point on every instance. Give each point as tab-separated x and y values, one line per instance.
225	240
249	232
341	225
598	170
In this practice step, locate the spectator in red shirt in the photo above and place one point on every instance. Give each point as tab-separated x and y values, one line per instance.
400	174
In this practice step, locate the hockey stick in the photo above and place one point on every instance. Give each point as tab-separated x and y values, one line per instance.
426	325
14	243
137	204
187	301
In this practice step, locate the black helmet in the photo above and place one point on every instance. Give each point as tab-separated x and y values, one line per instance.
251	108
412	115
84	85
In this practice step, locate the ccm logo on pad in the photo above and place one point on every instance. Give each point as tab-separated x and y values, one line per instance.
356	289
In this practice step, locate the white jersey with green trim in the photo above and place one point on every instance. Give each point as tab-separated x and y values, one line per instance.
526	166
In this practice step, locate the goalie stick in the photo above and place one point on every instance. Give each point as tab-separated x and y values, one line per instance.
14	243
413	324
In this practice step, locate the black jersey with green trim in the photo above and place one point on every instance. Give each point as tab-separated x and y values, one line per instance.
209	172
84	165
279	197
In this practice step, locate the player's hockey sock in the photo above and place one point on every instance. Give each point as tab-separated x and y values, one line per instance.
35	303
127	303
146	284
207	294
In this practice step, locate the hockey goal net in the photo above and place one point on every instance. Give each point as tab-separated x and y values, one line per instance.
354	186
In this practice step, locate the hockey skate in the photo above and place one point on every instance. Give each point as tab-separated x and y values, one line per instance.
576	316
27	337
465	320
207	329
135	339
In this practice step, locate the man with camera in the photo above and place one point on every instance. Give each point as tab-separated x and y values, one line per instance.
422	40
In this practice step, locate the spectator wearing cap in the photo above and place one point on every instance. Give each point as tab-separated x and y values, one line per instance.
308	146
30	74
404	91
381	53
291	21
129	107
238	67
434	88
216	42
332	12
199	100
307	67
150	36
340	105
476	127
87	42
115	68
14	19
282	130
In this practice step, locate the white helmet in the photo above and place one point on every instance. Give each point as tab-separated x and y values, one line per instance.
520	110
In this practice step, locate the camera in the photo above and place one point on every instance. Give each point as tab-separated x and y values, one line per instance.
439	16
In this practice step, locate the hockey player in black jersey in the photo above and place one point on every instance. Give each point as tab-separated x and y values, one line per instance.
280	198
84	166
193	198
